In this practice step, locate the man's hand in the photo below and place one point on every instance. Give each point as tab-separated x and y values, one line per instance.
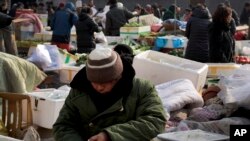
102	136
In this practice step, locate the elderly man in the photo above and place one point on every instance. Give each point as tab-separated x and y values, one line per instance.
107	103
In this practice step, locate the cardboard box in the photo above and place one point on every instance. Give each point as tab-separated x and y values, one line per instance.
159	67
134	32
218	69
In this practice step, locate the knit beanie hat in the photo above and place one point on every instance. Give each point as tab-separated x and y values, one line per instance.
103	65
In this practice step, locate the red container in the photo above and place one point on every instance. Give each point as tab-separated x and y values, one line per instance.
24	11
62	45
156	27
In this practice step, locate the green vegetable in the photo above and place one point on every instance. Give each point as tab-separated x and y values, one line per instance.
81	60
133	24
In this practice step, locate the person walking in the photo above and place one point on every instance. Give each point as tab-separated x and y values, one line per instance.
63	20
85	29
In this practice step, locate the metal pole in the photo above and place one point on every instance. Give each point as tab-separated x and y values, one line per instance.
175	18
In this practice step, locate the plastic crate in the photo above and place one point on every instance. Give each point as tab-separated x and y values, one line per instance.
159	67
171	42
45	109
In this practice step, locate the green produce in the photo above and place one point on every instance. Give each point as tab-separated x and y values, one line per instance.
81	60
133	24
113	43
28	43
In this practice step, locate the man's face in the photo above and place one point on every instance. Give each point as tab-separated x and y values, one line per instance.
104	88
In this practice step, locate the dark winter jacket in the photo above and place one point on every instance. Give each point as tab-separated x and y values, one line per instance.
5	20
85	29
170	13
221	43
132	111
63	20
236	17
244	17
116	18
197	33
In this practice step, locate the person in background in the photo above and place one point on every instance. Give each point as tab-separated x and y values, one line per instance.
125	51
102	15
187	15
14	8
107	103
85	28
232	24
7	35
50	12
41	8
156	10
235	15
34	6
61	24
173	12
221	41
4	8
116	17
148	9
197	34
245	14
139	10
92	6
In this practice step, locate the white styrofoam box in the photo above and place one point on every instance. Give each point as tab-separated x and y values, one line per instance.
134	32
148	19
218	69
67	73
46	107
26	32
111	39
242	47
171	41
47	36
159	68
43	18
29	27
43	36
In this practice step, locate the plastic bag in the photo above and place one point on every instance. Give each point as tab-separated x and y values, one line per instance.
40	56
55	57
235	88
100	38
